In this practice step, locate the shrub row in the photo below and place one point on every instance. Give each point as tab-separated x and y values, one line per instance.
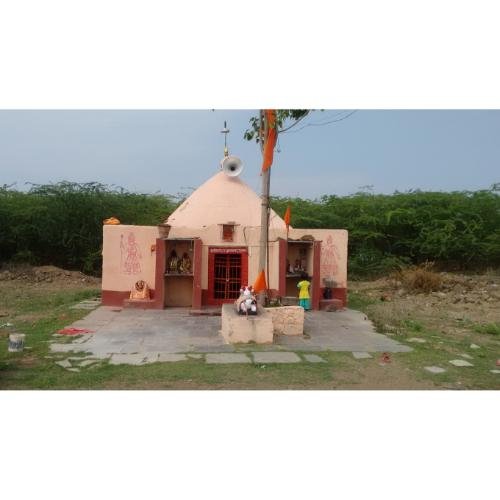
455	230
61	224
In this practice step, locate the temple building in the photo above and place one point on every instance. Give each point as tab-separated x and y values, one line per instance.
209	248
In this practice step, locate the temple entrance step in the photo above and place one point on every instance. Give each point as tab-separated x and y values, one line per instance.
139	304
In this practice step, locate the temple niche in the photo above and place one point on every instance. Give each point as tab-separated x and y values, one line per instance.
207	250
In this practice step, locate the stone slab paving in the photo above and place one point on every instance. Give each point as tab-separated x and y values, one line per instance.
171	358
314	358
226	358
361	355
132	332
151	357
417	340
275	357
346	330
64	363
460	362
434	369
466	356
88	362
213	348
127	359
475	346
495	371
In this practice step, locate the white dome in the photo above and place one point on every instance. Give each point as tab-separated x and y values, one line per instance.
219	200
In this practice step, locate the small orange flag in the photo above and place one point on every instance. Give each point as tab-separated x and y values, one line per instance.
288	214
272	136
260	283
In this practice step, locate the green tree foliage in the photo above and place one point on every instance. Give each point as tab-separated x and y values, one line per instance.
458	229
285	119
61	224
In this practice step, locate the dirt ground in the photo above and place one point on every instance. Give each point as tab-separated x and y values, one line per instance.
45	275
21	283
461	301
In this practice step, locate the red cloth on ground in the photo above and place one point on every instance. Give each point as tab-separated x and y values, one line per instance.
74	331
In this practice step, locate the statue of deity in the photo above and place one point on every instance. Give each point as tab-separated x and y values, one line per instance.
140	291
247	301
173	263
185	264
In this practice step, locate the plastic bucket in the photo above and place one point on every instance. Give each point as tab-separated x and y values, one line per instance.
16	342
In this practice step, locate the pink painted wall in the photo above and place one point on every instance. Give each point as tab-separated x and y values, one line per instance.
333	252
127	256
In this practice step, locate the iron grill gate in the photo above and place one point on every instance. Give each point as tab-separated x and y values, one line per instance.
227	276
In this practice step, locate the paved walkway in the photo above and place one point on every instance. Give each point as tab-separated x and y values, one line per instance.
139	336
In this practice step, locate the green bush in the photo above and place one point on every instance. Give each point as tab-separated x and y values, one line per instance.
457	229
61	224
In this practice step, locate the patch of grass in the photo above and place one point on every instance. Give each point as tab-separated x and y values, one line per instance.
488	328
359	301
51	301
190	374
412	325
50	312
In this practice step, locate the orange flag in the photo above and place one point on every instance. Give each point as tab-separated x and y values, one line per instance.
288	213
272	135
260	283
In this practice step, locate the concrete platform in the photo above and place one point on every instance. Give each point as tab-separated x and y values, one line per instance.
237	328
175	331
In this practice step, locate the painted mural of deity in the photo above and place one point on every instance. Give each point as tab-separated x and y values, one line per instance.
130	255
329	258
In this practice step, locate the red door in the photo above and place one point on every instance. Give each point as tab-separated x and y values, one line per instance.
228	272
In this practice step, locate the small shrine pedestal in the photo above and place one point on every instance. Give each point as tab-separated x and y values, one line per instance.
285	320
242	329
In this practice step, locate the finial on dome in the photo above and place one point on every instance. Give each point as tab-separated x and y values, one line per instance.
225	131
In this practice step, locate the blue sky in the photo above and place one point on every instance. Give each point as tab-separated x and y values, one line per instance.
173	151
